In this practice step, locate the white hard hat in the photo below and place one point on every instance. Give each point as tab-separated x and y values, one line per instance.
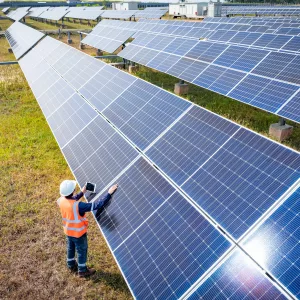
67	187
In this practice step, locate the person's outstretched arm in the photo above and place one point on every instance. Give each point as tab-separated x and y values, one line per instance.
86	207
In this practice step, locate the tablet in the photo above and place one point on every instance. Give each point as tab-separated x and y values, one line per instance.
91	187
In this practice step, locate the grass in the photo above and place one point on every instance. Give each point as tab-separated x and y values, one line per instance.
32	259
244	114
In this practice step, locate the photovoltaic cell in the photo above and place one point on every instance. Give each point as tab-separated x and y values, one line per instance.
264	93
242	180
105	87
142	191
142	112
21	38
98	154
280	255
189	143
170	251
292	109
237	278
70	118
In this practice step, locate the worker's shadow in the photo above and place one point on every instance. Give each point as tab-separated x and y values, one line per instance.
107	221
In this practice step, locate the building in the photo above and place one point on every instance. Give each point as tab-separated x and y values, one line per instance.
195	9
126	5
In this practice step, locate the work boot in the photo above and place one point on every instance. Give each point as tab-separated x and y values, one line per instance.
74	268
87	273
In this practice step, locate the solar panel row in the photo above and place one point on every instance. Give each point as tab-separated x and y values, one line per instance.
85	13
162	242
287	43
107	39
5	9
261	78
18	14
21	38
261	10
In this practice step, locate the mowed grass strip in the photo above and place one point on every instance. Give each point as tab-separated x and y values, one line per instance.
32	260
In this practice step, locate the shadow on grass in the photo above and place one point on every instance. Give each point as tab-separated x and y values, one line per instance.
114	280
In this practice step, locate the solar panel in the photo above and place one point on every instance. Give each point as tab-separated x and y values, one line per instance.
218	163
36	11
142	112
237	278
161	226
226	69
85	14
55	14
171	249
280	256
5	9
118	14
106	39
17	14
21	38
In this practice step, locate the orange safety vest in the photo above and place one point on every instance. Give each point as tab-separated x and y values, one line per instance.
73	224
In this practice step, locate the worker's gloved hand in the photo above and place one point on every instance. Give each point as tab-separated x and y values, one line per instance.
84	189
113	189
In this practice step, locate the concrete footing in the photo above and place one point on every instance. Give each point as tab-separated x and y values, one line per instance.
81	46
280	132
69	41
181	88
132	69
9	50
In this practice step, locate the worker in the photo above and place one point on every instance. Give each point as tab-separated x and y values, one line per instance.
75	224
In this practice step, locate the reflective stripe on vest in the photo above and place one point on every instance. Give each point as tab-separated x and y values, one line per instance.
74	225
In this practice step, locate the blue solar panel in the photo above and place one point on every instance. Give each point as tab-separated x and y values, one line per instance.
291	73
142	190
55	96
242	180
293	44
180	46
291	109
272	65
241	58
206	51
226	81
280	255
192	71
189	143
263	93
98	154
170	251
143	111
237	278
105	87
70	118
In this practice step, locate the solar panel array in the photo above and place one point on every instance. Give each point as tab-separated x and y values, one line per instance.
36	11
85	13
5	9
261	78
18	14
107	39
127	14
173	229
192	30
55	13
261	10
21	38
